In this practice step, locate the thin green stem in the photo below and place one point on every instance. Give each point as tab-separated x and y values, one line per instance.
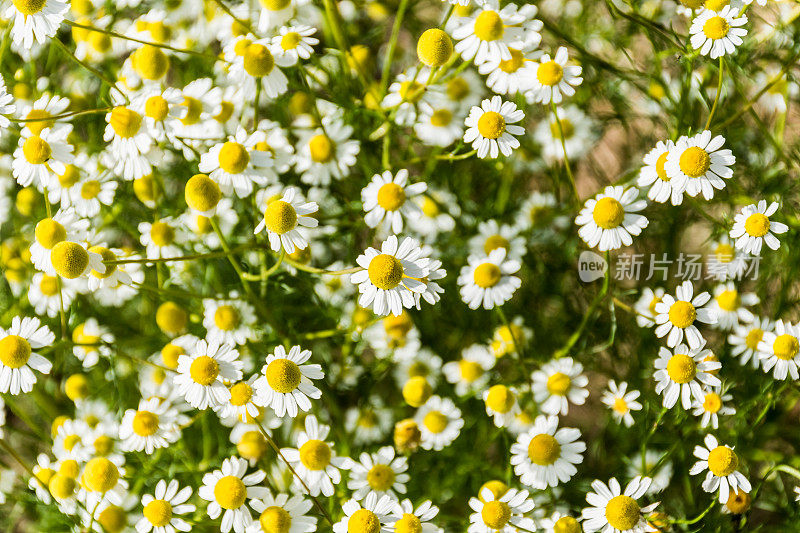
719	91
566	157
387	62
313	270
90	68
229	253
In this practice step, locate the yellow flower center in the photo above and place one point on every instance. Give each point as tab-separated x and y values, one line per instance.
622	512
170	354
226	317
391	196
728	300
558	384
786	347
620	406
681	368
49	285
315	454
145	423
14	351
416	391
106	255
500	399
566	524
753	337
722	461
738	502
275	5
544	450
712	403
162	234
36	150
488	26
716	28
156	107
275	519
660	170
487	275
434	47
158	512
194	108
230	492
76	387
100	475
682	314
125	122
252	445
90	190
150	62
493	242
29	7
241	393
608	213
439	118
48	233
756	225
715	5
363	521
491	125
103	445
202	193
280	217
408	524
283	375
549	73
204	370
470	370
113	518
495	514
694	162
45	475
411	91
725	253
36	127
61	486
397	326
496	487
70	441
567	129
380	477
321	148
70	177
233	158
513	64
70	259
385	271
290	40
435	421
258	60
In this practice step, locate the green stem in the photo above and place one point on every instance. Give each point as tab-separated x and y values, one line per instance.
566	157
387	62
313	270
229	253
719	91
90	68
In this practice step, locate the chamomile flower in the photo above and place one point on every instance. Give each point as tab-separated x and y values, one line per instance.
407	93
39	154
559	383
43	472
609	220
229	321
500	514
752	227
656	464
491	127
237	164
370	422
576	129
161	510
510	338
7	106
712	406
501	404
717	33
613	510
393	279
470	374
292	44
46	296
552	78
779	350
439	422
729	306
228	489
387	200
283	513
63	226
677	315
655	176
722	464
488	34
18	359
699	164
746	338
488	280
35	20
437	125
621	402
508	76
683	373
546	455
161	238
725	261
315	460
559	522
380	473
201	373
90	193
646	306
285	221
406	519
149	427
326	152
91	340
253	63
492	235
371	516
285	384
128	152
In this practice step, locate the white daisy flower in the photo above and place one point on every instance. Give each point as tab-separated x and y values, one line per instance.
559	383
488	34
91	340
699	164
37	155
35	20
439	422
488	280
491	129
492	235
161	238
645	306
253	63
406	519
229	321
656	464
546	455
370	517
292	44
654	175
725	261
729	306
46	297
115	273
621	402
285	221
779	349
326	152
90	193
683	374
609	220
315	460
69	444
503	514
551	78
715	33
201	373
437	125
7	106
18	359
43	472
285	384
712	406
65	225
746	338
501	404
576	128
283	513
752	227
407	93
387	198
722	464
129	144
380	473
677	315
162	509
613	510
149	427
242	403
237	164
508	76
228	489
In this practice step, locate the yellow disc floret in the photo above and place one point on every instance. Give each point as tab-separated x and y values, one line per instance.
150	62
694	162
549	73
435	421
125	122
544	450
682	314
681	368
48	233
145	423
722	461
14	351
230	492
487	275
283	375
786	347
280	217
204	370
716	28
315	454
416	391
622	512
391	196
36	150
608	213
158	512
380	477
258	60
757	225
171	318
491	125
495	514
434	47
363	521
488	26
500	399
202	193
100	475
275	519
558	384
385	271
227	318
69	259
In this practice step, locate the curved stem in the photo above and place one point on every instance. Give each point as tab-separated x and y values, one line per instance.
313	270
